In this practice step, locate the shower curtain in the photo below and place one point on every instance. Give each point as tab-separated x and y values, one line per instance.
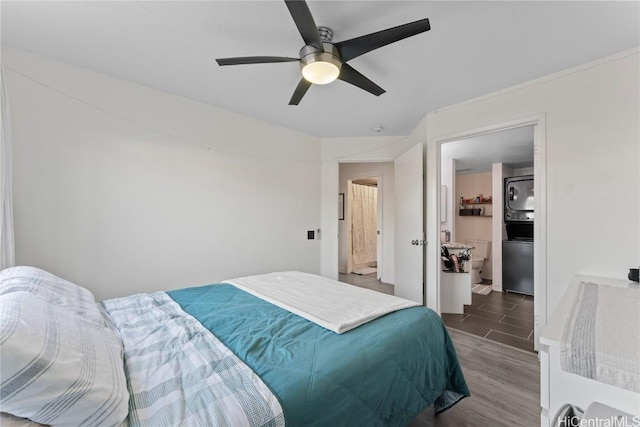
364	227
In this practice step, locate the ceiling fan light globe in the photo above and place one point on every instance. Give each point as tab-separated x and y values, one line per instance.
320	67
320	72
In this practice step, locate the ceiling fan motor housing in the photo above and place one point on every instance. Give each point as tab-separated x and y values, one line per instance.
329	58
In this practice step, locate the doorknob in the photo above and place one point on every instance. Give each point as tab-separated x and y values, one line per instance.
418	242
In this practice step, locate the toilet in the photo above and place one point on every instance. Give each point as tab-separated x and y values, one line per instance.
479	254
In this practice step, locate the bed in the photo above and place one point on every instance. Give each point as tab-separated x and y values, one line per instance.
263	350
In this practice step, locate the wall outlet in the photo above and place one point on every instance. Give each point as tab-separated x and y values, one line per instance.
311	235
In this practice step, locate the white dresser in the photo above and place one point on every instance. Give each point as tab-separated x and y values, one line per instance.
557	386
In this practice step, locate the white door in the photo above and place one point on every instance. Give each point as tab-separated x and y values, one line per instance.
409	225
379	229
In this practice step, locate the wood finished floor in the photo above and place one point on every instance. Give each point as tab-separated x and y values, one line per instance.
368	281
504	381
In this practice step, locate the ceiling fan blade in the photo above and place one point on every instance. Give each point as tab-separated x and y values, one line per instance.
304	21
254	60
350	75
353	48
301	89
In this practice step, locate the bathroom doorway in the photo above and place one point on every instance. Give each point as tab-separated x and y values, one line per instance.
364	226
368	173
472	228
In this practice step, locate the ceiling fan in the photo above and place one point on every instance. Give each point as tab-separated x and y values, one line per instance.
323	61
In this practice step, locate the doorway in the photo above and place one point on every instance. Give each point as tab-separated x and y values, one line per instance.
364	225
474	169
536	309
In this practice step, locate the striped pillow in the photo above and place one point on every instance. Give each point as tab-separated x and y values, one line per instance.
57	368
52	289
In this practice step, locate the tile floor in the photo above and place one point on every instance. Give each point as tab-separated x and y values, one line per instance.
501	317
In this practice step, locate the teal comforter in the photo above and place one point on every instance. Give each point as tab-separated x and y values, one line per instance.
383	373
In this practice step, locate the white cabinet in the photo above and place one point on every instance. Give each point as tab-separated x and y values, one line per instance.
557	386
455	292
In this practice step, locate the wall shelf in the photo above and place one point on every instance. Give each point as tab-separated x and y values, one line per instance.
469	207
471	215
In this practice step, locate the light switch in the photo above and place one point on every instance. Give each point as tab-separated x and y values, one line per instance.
311	235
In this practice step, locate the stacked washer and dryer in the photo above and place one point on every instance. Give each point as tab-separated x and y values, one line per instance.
517	248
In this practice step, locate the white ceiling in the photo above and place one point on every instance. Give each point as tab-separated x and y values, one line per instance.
513	147
473	48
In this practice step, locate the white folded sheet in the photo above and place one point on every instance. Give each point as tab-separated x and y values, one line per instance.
601	336
333	305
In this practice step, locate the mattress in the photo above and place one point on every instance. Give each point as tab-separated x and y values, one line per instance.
383	373
218	355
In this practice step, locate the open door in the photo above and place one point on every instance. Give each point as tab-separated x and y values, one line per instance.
409	242
379	251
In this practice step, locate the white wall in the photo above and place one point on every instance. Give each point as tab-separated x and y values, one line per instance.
592	150
123	188
448	179
351	171
476	227
498	230
522	171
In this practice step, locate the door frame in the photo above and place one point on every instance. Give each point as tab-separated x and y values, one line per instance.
432	210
